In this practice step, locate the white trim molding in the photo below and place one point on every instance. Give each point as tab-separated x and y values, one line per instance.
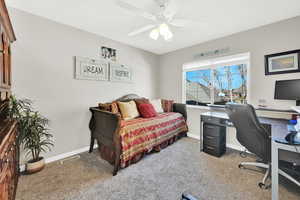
63	156
197	137
213	64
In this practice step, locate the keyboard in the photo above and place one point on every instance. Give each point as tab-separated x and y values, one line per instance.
296	108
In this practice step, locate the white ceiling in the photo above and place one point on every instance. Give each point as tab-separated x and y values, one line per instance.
217	18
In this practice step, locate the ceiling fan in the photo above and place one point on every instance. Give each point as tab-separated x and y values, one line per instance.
161	20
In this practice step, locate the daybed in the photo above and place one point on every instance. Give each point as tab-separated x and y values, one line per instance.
123	142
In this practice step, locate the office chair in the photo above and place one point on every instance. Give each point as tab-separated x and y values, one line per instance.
255	137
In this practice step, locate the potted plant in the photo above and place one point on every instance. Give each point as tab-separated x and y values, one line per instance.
33	132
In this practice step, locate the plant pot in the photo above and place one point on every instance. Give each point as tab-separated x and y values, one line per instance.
33	167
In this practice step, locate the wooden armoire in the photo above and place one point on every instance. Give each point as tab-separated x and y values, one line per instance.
9	149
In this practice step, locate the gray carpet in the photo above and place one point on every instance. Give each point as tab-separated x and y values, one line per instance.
159	176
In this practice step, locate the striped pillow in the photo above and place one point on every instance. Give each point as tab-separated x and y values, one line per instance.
109	107
167	105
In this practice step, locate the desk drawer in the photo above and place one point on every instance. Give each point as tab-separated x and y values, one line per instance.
213	130
214	140
213	120
214	150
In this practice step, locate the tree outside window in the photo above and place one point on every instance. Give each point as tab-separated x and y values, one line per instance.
217	85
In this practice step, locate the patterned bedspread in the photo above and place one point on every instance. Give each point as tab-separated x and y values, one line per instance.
142	134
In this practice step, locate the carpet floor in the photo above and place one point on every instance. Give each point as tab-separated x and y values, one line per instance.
159	176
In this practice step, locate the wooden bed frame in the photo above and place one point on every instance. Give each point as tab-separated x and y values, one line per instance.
105	128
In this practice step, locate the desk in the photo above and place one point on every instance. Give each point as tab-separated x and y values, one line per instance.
275	148
221	119
279	130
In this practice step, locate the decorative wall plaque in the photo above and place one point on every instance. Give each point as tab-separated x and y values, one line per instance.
212	53
120	73
109	53
91	69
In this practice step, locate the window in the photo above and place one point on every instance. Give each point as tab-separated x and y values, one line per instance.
216	82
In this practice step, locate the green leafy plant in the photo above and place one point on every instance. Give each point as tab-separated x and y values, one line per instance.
32	128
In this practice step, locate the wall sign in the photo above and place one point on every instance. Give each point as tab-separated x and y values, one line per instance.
90	69
212	53
120	73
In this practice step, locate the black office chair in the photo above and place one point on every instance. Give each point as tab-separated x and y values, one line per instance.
255	137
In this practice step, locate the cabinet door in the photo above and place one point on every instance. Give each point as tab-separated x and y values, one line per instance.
2	69
5	67
6	63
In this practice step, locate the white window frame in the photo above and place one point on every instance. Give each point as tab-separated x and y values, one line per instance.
212	64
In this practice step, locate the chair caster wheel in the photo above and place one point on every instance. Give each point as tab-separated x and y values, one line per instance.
262	186
241	166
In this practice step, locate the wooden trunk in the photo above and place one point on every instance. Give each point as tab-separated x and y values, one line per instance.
9	150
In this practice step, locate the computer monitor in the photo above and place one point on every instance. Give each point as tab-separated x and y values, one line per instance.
288	90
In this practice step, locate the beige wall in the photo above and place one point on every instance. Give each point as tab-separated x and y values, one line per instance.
274	38
43	70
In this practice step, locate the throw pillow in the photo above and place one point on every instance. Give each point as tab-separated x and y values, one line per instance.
105	106
156	103
147	110
128	110
114	107
167	105
110	107
141	101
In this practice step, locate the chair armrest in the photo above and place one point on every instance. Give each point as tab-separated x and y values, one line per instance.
180	108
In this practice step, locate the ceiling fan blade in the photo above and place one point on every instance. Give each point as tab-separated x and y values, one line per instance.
171	9
135	10
141	30
182	22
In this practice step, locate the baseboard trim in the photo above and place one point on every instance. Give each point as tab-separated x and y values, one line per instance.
63	156
235	147
85	149
193	136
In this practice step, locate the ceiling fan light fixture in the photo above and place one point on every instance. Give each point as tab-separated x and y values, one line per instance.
168	36
164	29
154	34
162	20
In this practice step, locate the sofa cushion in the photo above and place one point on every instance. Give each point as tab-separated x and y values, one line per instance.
147	110
157	105
114	107
110	107
128	110
104	106
141	101
167	105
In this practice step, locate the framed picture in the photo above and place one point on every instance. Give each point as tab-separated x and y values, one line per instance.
109	54
91	69
120	73
280	63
